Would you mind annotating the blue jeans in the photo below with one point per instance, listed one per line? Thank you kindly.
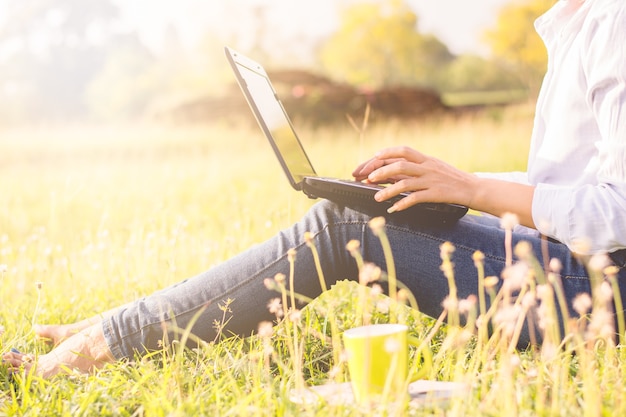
(139, 327)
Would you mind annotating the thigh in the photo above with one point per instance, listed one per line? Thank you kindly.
(416, 249)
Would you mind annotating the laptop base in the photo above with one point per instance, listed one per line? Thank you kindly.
(361, 196)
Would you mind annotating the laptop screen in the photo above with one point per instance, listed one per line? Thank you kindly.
(276, 124)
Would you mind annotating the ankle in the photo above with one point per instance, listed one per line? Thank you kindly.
(99, 348)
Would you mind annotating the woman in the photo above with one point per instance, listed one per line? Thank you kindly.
(575, 190)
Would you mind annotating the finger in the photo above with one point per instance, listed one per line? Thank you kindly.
(397, 170)
(410, 200)
(390, 180)
(375, 166)
(405, 185)
(362, 171)
(402, 152)
(360, 167)
(16, 358)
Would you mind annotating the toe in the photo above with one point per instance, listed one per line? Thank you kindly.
(15, 360)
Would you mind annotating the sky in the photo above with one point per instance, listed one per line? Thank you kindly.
(290, 29)
(458, 23)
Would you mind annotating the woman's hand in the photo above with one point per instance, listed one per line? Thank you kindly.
(429, 180)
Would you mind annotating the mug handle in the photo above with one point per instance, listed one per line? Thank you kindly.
(423, 355)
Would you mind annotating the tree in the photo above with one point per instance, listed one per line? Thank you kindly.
(62, 21)
(127, 82)
(54, 49)
(378, 45)
(475, 73)
(515, 41)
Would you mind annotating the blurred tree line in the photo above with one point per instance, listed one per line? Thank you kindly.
(71, 60)
(378, 44)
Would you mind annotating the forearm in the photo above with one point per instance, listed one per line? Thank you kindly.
(498, 197)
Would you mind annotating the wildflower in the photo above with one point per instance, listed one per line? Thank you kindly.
(462, 337)
(515, 276)
(291, 255)
(308, 237)
(532, 373)
(555, 265)
(601, 325)
(449, 304)
(225, 305)
(478, 257)
(369, 273)
(529, 300)
(582, 303)
(546, 318)
(467, 305)
(377, 224)
(39, 285)
(598, 262)
(353, 245)
(544, 292)
(376, 290)
(523, 250)
(491, 281)
(3, 268)
(295, 315)
(403, 295)
(275, 307)
(607, 331)
(548, 351)
(508, 330)
(279, 278)
(508, 314)
(269, 283)
(609, 271)
(383, 305)
(448, 269)
(509, 221)
(446, 249)
(515, 361)
(265, 329)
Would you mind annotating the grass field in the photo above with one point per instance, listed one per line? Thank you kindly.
(92, 218)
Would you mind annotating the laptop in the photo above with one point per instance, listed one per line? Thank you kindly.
(278, 129)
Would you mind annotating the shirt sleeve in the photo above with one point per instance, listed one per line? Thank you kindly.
(512, 176)
(592, 218)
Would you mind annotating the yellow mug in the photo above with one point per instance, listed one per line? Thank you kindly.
(378, 362)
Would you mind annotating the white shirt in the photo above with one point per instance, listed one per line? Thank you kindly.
(577, 157)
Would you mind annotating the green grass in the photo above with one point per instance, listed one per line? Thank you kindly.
(102, 216)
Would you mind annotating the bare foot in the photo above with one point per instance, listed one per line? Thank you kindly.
(57, 333)
(16, 361)
(84, 351)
